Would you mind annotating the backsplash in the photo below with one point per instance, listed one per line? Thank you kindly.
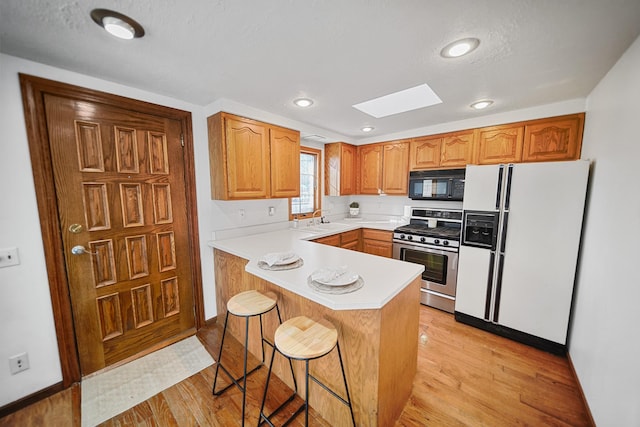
(244, 217)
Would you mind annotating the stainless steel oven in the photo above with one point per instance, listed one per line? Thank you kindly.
(432, 239)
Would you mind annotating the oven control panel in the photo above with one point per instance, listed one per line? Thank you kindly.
(433, 241)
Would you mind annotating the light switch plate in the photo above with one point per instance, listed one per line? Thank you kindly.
(9, 257)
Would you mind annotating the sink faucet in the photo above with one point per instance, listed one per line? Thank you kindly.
(313, 216)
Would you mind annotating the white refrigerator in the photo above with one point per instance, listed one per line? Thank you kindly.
(522, 286)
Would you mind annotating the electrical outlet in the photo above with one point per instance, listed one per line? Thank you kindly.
(8, 257)
(272, 211)
(18, 363)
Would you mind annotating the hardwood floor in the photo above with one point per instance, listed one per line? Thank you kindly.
(466, 377)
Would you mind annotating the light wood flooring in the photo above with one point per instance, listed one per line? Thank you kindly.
(466, 377)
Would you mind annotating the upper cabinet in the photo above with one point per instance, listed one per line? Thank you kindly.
(558, 138)
(499, 144)
(448, 150)
(554, 138)
(424, 152)
(340, 169)
(285, 162)
(457, 149)
(252, 160)
(395, 168)
(383, 168)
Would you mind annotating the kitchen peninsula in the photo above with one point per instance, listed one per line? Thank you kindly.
(377, 324)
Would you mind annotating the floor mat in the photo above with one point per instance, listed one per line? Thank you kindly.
(112, 392)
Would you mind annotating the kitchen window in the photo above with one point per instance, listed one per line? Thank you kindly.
(309, 200)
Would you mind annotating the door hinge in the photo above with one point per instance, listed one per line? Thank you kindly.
(182, 140)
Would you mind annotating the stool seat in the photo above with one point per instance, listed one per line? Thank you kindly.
(251, 303)
(303, 338)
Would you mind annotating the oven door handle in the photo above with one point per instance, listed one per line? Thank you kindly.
(441, 250)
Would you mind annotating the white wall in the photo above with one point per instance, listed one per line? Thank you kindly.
(604, 342)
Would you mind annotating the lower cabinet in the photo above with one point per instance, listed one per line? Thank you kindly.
(377, 242)
(367, 240)
(351, 240)
(348, 240)
(333, 240)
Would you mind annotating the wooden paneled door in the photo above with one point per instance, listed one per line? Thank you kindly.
(126, 238)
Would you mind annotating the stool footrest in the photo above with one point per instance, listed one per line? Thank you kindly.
(336, 395)
(235, 381)
(267, 418)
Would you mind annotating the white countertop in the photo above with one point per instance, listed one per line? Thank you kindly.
(383, 278)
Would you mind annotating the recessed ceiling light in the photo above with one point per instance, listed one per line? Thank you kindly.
(459, 48)
(479, 105)
(117, 24)
(399, 102)
(303, 102)
(367, 128)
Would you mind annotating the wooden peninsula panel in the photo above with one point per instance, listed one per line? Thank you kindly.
(379, 346)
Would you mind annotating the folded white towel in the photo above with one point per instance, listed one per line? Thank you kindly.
(274, 258)
(328, 274)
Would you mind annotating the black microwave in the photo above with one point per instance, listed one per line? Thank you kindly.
(437, 184)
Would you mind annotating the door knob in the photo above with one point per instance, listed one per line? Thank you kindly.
(80, 250)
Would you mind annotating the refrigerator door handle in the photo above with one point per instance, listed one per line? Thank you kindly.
(496, 308)
(503, 237)
(487, 301)
(507, 197)
(499, 192)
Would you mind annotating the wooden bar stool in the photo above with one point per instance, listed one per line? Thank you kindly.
(301, 338)
(247, 304)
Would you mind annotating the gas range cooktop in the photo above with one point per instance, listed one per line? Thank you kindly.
(439, 227)
(446, 232)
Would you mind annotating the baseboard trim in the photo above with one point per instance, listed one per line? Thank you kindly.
(30, 399)
(582, 395)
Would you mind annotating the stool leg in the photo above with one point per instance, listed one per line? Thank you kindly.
(295, 383)
(266, 387)
(246, 355)
(306, 393)
(224, 332)
(346, 387)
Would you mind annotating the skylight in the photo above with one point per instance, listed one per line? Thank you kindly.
(399, 102)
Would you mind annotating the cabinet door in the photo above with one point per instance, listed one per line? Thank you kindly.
(350, 240)
(424, 153)
(370, 168)
(559, 139)
(248, 166)
(333, 240)
(285, 162)
(457, 149)
(376, 247)
(395, 168)
(499, 144)
(348, 160)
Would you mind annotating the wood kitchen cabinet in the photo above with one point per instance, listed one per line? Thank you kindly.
(424, 152)
(252, 160)
(333, 240)
(351, 240)
(340, 169)
(558, 138)
(457, 149)
(383, 168)
(377, 242)
(499, 144)
(347, 240)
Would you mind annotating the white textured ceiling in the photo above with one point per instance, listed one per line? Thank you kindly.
(265, 53)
